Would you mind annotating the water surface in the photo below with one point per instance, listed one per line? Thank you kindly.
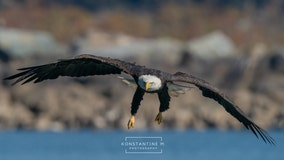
(90, 145)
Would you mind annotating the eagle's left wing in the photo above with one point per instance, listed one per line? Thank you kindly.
(212, 92)
(82, 65)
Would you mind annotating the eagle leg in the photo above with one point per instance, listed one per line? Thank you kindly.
(159, 118)
(137, 98)
(164, 99)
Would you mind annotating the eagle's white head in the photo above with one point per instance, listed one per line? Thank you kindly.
(149, 83)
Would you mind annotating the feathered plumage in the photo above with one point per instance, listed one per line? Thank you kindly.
(87, 65)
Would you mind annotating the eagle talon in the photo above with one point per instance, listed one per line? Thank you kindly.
(159, 118)
(131, 122)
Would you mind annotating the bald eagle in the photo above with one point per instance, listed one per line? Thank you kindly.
(147, 80)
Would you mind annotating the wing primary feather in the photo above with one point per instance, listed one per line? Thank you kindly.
(252, 129)
(32, 77)
(16, 75)
(265, 136)
(23, 77)
(261, 134)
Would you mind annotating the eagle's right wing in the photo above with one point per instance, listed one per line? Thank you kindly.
(82, 65)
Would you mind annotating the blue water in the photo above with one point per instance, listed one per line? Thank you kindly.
(104, 145)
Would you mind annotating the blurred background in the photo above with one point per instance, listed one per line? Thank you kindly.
(236, 45)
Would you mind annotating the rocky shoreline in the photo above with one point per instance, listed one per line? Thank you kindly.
(103, 102)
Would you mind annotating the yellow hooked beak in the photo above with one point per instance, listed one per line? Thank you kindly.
(147, 85)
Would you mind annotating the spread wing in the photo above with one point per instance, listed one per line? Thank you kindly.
(82, 65)
(212, 92)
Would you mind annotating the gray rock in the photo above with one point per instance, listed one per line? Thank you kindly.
(212, 45)
(19, 42)
(124, 46)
